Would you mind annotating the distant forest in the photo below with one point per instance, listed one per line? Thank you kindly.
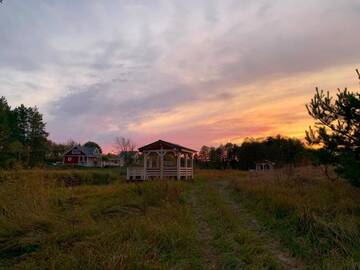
(280, 150)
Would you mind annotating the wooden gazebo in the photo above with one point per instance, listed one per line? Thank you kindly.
(164, 160)
(264, 165)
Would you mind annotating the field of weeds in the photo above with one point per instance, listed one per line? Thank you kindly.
(44, 225)
(93, 219)
(67, 177)
(318, 220)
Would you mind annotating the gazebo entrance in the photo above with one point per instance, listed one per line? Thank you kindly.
(164, 160)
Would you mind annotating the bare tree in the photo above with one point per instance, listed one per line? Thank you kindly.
(126, 148)
(123, 144)
(71, 143)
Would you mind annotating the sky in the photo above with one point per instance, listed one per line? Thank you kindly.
(193, 72)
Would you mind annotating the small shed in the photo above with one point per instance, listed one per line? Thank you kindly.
(264, 165)
(121, 159)
(164, 160)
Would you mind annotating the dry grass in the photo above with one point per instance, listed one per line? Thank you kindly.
(92, 219)
(68, 177)
(317, 219)
(44, 225)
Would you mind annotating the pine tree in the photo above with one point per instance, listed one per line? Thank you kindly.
(22, 135)
(20, 130)
(36, 137)
(4, 130)
(337, 129)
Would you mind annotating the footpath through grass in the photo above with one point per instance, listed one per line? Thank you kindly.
(235, 247)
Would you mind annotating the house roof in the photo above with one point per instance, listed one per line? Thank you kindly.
(86, 150)
(90, 151)
(265, 161)
(160, 144)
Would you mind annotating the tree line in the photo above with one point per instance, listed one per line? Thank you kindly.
(23, 138)
(280, 150)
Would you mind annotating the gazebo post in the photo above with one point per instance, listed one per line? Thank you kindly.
(161, 163)
(145, 164)
(178, 164)
(186, 166)
(192, 166)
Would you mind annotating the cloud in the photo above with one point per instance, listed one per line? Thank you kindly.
(182, 69)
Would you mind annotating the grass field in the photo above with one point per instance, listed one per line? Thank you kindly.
(93, 219)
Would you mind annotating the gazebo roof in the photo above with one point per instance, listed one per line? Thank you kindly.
(265, 161)
(160, 144)
(88, 151)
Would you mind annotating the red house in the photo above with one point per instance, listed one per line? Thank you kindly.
(83, 156)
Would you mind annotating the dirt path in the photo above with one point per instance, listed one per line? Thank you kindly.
(230, 237)
(250, 223)
(210, 257)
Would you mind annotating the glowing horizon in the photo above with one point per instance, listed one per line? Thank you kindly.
(196, 74)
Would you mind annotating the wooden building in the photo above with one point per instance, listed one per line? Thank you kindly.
(83, 156)
(264, 165)
(122, 159)
(164, 160)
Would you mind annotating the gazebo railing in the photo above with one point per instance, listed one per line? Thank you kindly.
(170, 172)
(152, 172)
(137, 173)
(186, 171)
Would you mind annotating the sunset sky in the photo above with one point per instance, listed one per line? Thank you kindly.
(192, 72)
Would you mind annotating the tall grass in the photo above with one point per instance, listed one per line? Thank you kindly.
(317, 219)
(68, 177)
(237, 246)
(91, 219)
(44, 225)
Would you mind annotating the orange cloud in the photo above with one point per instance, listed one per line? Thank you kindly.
(258, 110)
